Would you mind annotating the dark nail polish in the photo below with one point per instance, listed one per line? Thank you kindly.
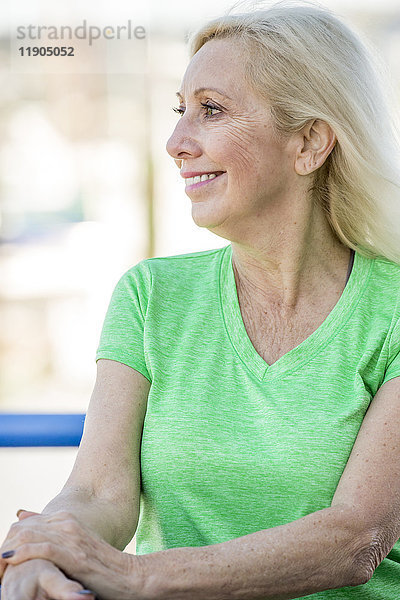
(85, 592)
(8, 554)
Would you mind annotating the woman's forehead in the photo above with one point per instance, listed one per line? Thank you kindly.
(217, 66)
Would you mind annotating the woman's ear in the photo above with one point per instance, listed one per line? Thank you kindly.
(316, 142)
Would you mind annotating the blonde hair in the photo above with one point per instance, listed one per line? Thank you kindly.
(309, 65)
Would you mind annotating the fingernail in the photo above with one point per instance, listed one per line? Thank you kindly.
(20, 511)
(8, 554)
(85, 592)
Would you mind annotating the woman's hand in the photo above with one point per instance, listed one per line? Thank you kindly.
(40, 580)
(77, 551)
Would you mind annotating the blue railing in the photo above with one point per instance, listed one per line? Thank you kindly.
(30, 430)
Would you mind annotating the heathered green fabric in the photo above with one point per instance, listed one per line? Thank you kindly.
(230, 444)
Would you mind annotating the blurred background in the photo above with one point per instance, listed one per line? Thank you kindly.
(87, 190)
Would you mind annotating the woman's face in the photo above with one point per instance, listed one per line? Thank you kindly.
(225, 129)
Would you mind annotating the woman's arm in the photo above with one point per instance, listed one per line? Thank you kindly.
(318, 552)
(103, 489)
(297, 559)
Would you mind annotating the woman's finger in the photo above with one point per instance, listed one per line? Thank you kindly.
(17, 539)
(59, 530)
(3, 565)
(60, 556)
(7, 543)
(41, 579)
(25, 514)
(37, 530)
(58, 587)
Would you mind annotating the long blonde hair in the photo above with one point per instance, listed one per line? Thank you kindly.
(309, 65)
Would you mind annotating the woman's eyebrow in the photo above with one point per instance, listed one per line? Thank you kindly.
(205, 89)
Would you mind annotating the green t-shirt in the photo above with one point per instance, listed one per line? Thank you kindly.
(232, 445)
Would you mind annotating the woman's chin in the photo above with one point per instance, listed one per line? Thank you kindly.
(203, 215)
(208, 219)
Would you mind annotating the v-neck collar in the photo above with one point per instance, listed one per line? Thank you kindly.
(302, 353)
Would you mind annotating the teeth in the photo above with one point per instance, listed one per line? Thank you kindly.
(198, 178)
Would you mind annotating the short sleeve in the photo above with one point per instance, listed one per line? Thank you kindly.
(123, 334)
(393, 362)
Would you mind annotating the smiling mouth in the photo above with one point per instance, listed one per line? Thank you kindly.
(202, 179)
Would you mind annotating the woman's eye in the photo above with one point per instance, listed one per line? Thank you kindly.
(208, 108)
(178, 110)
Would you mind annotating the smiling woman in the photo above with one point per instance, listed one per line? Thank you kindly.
(261, 178)
(245, 421)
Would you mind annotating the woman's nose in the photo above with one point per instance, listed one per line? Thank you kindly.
(182, 143)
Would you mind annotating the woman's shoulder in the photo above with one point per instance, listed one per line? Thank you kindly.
(386, 274)
(188, 265)
(387, 265)
(189, 271)
(383, 289)
(185, 260)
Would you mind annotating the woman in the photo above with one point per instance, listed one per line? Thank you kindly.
(246, 410)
